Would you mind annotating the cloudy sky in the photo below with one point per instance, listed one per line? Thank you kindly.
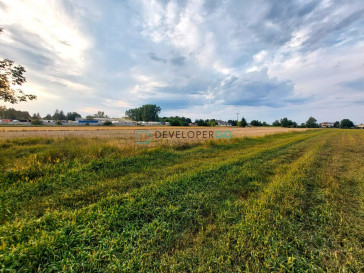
(201, 59)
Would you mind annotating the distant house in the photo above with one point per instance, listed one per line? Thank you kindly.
(50, 121)
(222, 123)
(327, 124)
(361, 126)
(85, 121)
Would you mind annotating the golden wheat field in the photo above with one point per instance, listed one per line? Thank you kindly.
(127, 136)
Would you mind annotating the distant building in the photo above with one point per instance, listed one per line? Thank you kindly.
(222, 123)
(327, 124)
(85, 121)
(361, 126)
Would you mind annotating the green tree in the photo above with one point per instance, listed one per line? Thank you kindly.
(255, 123)
(48, 117)
(285, 122)
(100, 114)
(243, 122)
(346, 123)
(232, 122)
(337, 124)
(276, 123)
(147, 112)
(211, 122)
(11, 113)
(201, 122)
(11, 78)
(37, 122)
(73, 116)
(312, 123)
(36, 116)
(59, 115)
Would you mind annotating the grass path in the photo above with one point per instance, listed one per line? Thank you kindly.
(282, 203)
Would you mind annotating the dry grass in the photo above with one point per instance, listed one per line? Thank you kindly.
(128, 134)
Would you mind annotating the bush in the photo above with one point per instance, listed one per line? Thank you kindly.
(107, 123)
(37, 122)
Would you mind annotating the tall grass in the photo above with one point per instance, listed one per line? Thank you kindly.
(288, 202)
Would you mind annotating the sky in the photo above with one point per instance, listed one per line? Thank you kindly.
(205, 59)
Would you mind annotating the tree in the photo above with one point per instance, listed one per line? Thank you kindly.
(232, 122)
(200, 122)
(37, 122)
(312, 123)
(285, 122)
(147, 112)
(100, 114)
(346, 123)
(255, 123)
(36, 116)
(276, 123)
(59, 115)
(73, 116)
(48, 117)
(11, 77)
(11, 113)
(337, 124)
(243, 122)
(176, 121)
(211, 122)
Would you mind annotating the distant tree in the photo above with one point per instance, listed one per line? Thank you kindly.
(11, 113)
(147, 112)
(89, 117)
(276, 123)
(346, 123)
(285, 122)
(100, 114)
(265, 124)
(59, 115)
(312, 123)
(255, 123)
(36, 116)
(176, 121)
(48, 117)
(211, 122)
(200, 122)
(232, 122)
(337, 124)
(107, 123)
(37, 122)
(11, 76)
(303, 125)
(243, 122)
(72, 116)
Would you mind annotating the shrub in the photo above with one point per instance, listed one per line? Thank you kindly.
(37, 122)
(107, 123)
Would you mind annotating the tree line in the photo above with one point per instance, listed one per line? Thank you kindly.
(150, 112)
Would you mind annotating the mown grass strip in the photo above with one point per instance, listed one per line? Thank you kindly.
(132, 230)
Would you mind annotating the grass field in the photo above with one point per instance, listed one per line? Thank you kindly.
(286, 202)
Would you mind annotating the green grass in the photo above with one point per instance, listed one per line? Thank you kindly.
(283, 203)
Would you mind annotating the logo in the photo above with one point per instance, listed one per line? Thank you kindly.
(142, 137)
(139, 134)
